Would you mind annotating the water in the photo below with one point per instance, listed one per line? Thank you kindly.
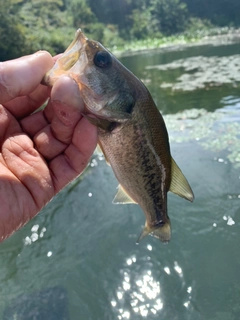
(78, 258)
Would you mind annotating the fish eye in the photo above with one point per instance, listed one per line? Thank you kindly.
(102, 59)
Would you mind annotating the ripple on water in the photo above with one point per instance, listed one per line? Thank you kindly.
(141, 293)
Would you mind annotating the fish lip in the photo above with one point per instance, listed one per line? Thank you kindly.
(79, 36)
(67, 60)
(77, 44)
(74, 50)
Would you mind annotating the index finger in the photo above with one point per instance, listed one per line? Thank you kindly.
(21, 76)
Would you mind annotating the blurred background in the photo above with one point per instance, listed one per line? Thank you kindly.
(78, 258)
(30, 25)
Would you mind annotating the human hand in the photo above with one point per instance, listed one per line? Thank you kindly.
(40, 153)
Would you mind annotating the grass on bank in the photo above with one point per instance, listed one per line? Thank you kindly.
(178, 39)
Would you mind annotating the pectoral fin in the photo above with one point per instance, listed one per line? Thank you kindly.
(115, 115)
(100, 123)
(106, 113)
(122, 197)
(179, 184)
(106, 125)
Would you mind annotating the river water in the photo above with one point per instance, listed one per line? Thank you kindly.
(78, 258)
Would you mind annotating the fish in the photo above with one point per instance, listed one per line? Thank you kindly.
(131, 131)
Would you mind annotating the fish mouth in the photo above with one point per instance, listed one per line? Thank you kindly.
(76, 45)
(71, 61)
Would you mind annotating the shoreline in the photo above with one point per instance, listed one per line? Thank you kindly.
(181, 41)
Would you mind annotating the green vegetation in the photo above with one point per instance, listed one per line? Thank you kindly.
(30, 25)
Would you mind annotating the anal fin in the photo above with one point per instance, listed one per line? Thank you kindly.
(122, 197)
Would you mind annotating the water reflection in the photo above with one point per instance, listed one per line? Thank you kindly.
(36, 234)
(167, 270)
(230, 221)
(178, 269)
(149, 247)
(210, 130)
(141, 293)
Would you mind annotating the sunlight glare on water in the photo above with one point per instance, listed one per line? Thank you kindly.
(36, 234)
(143, 292)
(140, 294)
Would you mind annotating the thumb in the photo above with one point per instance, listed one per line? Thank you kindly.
(21, 76)
(67, 106)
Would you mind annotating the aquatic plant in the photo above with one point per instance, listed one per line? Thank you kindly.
(215, 131)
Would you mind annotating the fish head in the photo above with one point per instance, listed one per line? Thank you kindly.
(106, 86)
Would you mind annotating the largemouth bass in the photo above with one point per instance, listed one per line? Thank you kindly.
(132, 133)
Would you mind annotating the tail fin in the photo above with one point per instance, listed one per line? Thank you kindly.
(162, 232)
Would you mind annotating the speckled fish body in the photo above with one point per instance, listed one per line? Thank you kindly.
(132, 132)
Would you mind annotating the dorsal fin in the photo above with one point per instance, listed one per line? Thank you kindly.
(179, 184)
(122, 197)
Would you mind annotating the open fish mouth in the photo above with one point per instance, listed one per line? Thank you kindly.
(72, 61)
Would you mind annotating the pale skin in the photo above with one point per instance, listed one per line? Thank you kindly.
(41, 152)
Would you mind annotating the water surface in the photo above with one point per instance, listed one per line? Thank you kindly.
(78, 258)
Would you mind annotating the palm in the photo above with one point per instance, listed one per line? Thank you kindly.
(40, 153)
